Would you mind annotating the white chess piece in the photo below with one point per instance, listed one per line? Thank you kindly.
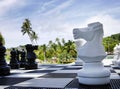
(78, 44)
(92, 53)
(115, 56)
(116, 60)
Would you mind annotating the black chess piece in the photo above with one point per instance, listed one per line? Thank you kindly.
(23, 58)
(31, 56)
(4, 68)
(14, 64)
(17, 55)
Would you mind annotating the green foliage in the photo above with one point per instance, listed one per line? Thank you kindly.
(27, 29)
(7, 56)
(2, 39)
(116, 37)
(57, 52)
(110, 42)
(61, 51)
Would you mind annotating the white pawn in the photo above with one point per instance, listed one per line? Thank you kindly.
(116, 60)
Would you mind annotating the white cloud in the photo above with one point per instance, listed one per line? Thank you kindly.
(110, 24)
(5, 5)
(57, 10)
(51, 28)
(51, 31)
(53, 23)
(14, 38)
(47, 5)
(55, 28)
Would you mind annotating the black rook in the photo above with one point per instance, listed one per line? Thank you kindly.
(31, 56)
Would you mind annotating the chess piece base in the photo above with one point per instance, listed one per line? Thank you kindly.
(22, 65)
(4, 70)
(31, 66)
(94, 74)
(15, 66)
(94, 81)
(116, 63)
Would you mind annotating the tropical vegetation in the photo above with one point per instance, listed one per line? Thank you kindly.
(57, 52)
(110, 42)
(2, 40)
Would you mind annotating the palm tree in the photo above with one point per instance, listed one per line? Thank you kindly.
(57, 40)
(63, 41)
(70, 49)
(26, 28)
(50, 43)
(44, 50)
(71, 46)
(34, 37)
(54, 47)
(59, 45)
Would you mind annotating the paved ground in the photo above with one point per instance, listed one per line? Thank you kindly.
(54, 77)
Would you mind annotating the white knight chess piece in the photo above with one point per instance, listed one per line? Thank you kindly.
(92, 53)
(78, 45)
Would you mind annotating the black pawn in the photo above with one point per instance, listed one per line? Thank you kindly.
(31, 56)
(4, 68)
(14, 64)
(17, 55)
(23, 58)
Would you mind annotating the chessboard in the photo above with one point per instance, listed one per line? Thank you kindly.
(54, 76)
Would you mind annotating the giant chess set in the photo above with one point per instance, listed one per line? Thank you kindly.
(88, 72)
(54, 77)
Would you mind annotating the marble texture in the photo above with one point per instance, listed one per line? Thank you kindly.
(92, 53)
(78, 44)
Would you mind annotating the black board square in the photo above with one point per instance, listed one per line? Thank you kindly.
(46, 65)
(77, 85)
(41, 71)
(59, 75)
(11, 81)
(18, 87)
(112, 71)
(114, 84)
(116, 67)
(67, 68)
(107, 65)
(57, 66)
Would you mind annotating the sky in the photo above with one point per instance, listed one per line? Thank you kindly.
(55, 18)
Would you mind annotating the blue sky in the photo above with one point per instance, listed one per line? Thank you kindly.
(55, 18)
